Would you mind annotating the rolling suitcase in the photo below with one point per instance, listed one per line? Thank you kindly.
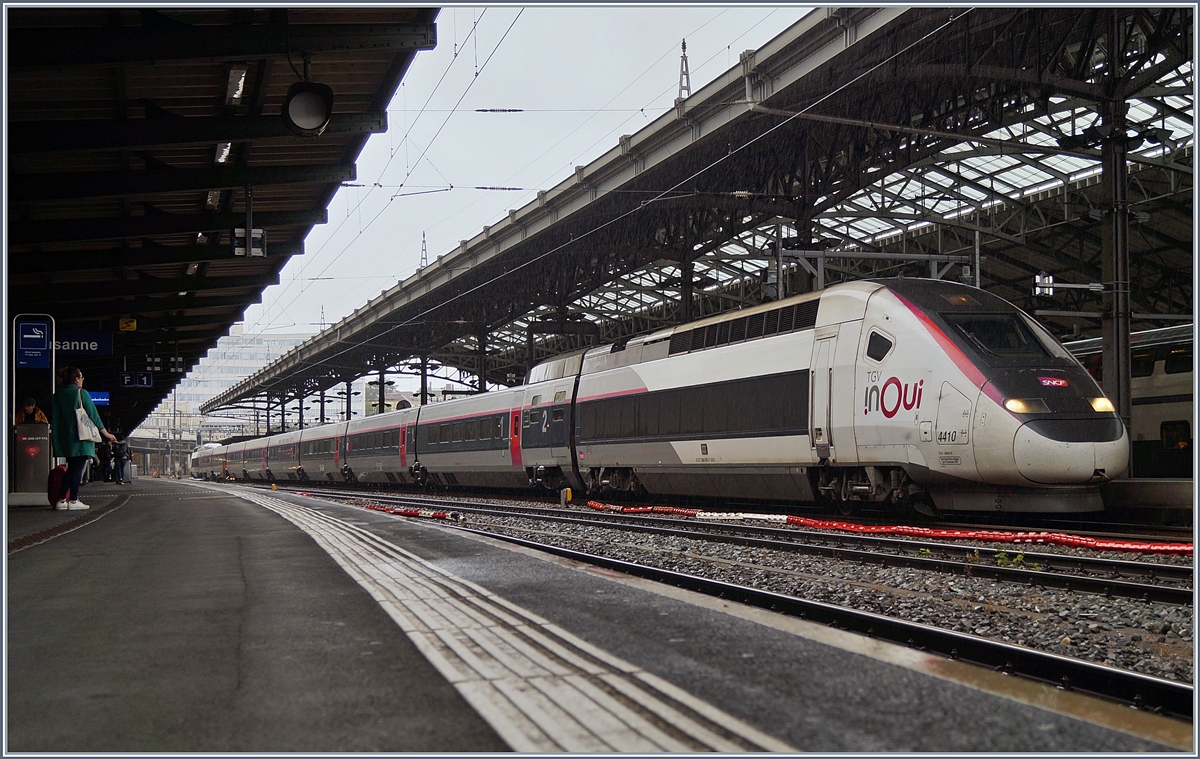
(54, 483)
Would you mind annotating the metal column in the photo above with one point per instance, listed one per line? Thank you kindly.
(424, 379)
(482, 338)
(381, 408)
(1115, 250)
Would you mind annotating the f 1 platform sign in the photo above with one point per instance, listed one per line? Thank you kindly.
(137, 379)
(34, 342)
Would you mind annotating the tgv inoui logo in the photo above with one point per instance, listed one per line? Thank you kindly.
(892, 395)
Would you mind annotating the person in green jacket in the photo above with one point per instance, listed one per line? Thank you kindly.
(65, 434)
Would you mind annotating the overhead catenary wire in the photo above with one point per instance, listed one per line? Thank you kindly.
(377, 185)
(421, 316)
(668, 51)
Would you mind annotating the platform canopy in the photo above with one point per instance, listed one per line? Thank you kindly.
(987, 144)
(139, 139)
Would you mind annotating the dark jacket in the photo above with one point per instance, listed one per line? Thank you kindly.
(63, 432)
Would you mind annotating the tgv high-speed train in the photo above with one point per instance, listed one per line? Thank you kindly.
(899, 391)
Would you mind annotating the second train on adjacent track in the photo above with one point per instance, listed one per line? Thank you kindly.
(902, 392)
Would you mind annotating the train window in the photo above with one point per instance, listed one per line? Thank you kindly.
(697, 339)
(710, 336)
(560, 396)
(525, 418)
(1179, 360)
(485, 429)
(502, 426)
(536, 400)
(469, 430)
(1002, 335)
(1142, 363)
(456, 432)
(878, 346)
(1177, 435)
(558, 415)
(444, 433)
(432, 437)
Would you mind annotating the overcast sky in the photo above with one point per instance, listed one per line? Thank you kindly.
(583, 77)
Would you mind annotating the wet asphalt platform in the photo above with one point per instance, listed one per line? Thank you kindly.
(178, 616)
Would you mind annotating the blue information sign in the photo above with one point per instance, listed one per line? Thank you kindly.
(87, 343)
(100, 398)
(33, 344)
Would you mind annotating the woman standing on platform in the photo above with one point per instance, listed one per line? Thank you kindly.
(64, 433)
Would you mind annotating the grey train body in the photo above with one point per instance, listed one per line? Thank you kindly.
(900, 391)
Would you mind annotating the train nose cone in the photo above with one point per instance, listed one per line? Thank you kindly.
(1046, 461)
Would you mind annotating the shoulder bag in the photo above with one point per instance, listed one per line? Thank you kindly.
(87, 428)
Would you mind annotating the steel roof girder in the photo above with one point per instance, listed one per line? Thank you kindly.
(30, 232)
(59, 47)
(64, 186)
(26, 137)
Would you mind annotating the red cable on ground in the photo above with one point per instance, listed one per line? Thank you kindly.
(427, 513)
(991, 536)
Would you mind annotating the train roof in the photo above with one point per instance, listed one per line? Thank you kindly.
(1182, 333)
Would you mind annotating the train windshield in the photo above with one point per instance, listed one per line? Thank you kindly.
(1003, 335)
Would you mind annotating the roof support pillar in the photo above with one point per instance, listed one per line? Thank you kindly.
(322, 402)
(1115, 236)
(381, 407)
(686, 274)
(425, 378)
(482, 340)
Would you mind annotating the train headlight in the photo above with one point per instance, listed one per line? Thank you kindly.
(1027, 406)
(1103, 405)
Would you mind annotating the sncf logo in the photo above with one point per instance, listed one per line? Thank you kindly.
(1052, 382)
(892, 396)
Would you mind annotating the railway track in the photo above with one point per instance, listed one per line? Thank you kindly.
(1154, 582)
(1163, 583)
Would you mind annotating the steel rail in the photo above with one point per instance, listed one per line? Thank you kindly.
(791, 541)
(1141, 691)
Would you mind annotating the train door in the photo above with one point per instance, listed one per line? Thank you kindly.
(403, 445)
(557, 423)
(514, 445)
(820, 427)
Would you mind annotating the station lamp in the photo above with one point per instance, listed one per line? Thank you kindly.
(308, 106)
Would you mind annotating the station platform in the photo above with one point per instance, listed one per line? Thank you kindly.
(178, 616)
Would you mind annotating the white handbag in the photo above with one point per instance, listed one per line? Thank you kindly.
(87, 428)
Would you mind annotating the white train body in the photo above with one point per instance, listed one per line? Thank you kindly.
(875, 391)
